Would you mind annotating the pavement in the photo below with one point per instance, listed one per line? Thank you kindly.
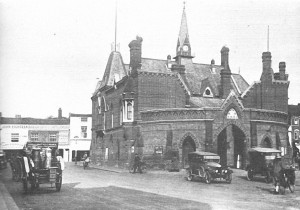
(6, 201)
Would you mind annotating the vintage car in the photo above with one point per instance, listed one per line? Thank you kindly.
(261, 163)
(3, 161)
(206, 166)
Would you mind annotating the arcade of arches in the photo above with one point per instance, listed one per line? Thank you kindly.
(231, 146)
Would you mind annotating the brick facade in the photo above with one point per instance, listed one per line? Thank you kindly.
(163, 107)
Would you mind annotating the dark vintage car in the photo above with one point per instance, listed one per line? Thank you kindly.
(261, 163)
(3, 161)
(206, 166)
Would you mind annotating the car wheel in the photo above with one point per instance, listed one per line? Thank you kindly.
(228, 178)
(250, 175)
(189, 175)
(207, 177)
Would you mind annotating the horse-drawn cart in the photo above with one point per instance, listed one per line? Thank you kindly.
(41, 164)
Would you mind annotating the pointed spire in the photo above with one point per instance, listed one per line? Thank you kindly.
(183, 32)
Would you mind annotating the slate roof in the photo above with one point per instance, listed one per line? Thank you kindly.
(196, 74)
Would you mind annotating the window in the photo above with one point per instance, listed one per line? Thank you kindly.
(232, 114)
(15, 137)
(84, 119)
(52, 137)
(129, 111)
(83, 131)
(208, 92)
(296, 120)
(34, 136)
(296, 134)
(112, 120)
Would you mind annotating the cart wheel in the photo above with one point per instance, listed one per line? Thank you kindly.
(207, 177)
(229, 178)
(58, 183)
(249, 175)
(291, 186)
(189, 175)
(25, 184)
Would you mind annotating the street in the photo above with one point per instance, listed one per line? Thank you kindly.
(99, 189)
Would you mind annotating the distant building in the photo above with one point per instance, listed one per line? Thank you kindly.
(16, 132)
(80, 134)
(162, 108)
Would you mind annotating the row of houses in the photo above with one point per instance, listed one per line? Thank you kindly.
(73, 134)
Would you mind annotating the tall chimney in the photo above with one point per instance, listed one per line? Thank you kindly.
(59, 113)
(225, 87)
(282, 70)
(136, 53)
(266, 59)
(224, 57)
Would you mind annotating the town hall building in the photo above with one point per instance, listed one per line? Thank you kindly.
(162, 109)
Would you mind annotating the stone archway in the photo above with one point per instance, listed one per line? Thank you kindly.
(232, 146)
(188, 145)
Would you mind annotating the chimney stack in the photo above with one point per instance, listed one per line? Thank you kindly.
(59, 113)
(225, 73)
(136, 53)
(282, 70)
(224, 57)
(266, 59)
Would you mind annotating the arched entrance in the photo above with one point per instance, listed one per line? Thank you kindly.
(188, 145)
(231, 146)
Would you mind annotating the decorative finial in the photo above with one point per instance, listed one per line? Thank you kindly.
(184, 4)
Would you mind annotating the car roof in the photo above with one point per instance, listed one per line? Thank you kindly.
(264, 150)
(203, 153)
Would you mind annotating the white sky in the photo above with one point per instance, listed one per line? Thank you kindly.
(52, 51)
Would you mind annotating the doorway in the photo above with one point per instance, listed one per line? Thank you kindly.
(188, 146)
(231, 146)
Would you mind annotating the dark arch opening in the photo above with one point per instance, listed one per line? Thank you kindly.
(188, 145)
(231, 146)
(266, 143)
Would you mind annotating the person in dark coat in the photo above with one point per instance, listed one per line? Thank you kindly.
(137, 163)
(277, 173)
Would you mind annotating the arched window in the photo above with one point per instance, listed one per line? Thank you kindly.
(266, 143)
(129, 110)
(207, 92)
(231, 114)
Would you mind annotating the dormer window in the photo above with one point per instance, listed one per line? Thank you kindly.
(207, 92)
